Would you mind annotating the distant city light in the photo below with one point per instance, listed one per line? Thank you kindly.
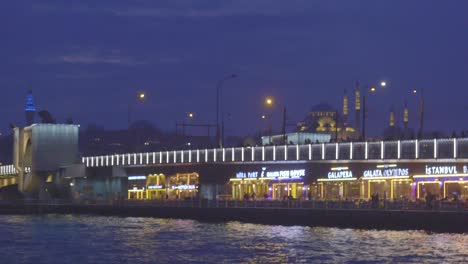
(141, 95)
(372, 89)
(415, 91)
(191, 115)
(269, 101)
(383, 84)
(263, 116)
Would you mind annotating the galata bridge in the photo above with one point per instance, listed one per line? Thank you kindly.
(46, 164)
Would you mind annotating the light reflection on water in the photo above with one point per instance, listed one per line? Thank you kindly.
(93, 239)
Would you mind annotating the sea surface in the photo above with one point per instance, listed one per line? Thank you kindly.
(97, 239)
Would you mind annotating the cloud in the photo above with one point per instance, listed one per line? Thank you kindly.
(183, 8)
(93, 58)
(210, 9)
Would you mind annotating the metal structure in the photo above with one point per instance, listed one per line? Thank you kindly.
(429, 149)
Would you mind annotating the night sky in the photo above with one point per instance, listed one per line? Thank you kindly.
(87, 59)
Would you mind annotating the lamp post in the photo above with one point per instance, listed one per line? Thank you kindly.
(372, 89)
(267, 126)
(141, 96)
(219, 86)
(269, 102)
(421, 112)
(336, 126)
(190, 117)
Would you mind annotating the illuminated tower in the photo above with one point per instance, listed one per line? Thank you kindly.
(357, 105)
(345, 110)
(392, 118)
(30, 109)
(405, 117)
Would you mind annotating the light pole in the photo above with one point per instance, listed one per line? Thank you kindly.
(364, 114)
(141, 96)
(267, 126)
(421, 112)
(336, 126)
(219, 86)
(269, 102)
(190, 117)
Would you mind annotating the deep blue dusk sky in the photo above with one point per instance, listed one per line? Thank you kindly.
(85, 59)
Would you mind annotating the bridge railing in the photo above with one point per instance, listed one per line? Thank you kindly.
(378, 150)
(10, 170)
(305, 204)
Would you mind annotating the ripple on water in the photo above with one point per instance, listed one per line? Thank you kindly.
(94, 239)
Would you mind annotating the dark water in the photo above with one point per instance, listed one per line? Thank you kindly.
(91, 239)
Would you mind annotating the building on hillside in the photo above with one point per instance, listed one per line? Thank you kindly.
(297, 138)
(325, 119)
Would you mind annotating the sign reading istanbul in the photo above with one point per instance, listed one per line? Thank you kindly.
(438, 170)
(390, 172)
(271, 174)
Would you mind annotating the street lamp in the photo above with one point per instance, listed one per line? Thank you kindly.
(421, 111)
(141, 96)
(191, 115)
(219, 86)
(364, 115)
(269, 101)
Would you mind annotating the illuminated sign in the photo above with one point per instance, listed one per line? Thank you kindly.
(152, 187)
(184, 187)
(465, 169)
(134, 178)
(436, 170)
(390, 172)
(242, 175)
(284, 174)
(340, 173)
(271, 174)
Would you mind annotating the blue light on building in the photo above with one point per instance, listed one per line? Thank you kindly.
(30, 103)
(30, 109)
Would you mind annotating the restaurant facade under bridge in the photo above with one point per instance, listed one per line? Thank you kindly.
(298, 180)
(393, 181)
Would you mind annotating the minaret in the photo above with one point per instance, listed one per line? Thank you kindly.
(392, 118)
(357, 105)
(405, 117)
(30, 109)
(345, 110)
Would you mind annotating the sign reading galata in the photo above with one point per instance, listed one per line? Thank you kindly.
(392, 172)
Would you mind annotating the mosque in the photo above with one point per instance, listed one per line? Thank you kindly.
(324, 123)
